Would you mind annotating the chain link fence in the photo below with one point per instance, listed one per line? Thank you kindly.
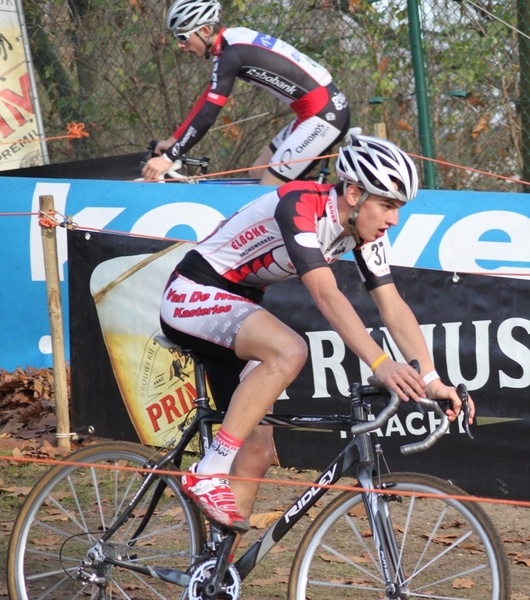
(112, 65)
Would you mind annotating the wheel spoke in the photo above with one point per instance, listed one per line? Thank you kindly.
(364, 545)
(438, 557)
(353, 563)
(50, 574)
(71, 507)
(444, 549)
(454, 576)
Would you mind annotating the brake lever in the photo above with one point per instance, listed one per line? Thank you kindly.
(416, 366)
(462, 392)
(151, 147)
(150, 153)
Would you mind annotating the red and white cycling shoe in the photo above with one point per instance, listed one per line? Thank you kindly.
(213, 496)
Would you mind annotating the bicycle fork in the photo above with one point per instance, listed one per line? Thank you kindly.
(388, 555)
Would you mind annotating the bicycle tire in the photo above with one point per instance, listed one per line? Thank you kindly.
(70, 506)
(449, 548)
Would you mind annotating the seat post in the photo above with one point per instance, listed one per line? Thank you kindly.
(200, 379)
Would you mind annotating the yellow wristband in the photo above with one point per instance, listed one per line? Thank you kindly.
(377, 362)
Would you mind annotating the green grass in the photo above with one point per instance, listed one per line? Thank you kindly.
(16, 479)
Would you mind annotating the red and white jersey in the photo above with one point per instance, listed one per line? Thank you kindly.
(265, 61)
(285, 233)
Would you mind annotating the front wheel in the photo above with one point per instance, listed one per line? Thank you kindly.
(72, 505)
(446, 548)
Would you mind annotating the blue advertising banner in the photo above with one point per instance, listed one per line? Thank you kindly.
(472, 232)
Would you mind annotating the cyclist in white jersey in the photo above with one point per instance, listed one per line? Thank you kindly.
(212, 304)
(322, 112)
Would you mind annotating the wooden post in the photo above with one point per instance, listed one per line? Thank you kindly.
(380, 130)
(53, 289)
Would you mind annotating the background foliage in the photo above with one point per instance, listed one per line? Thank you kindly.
(112, 65)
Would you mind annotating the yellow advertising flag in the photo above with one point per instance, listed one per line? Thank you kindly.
(21, 130)
(156, 380)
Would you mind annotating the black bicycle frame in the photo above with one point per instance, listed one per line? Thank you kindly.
(349, 457)
(358, 453)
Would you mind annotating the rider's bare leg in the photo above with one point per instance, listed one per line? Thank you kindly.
(266, 177)
(252, 462)
(262, 161)
(269, 178)
(281, 352)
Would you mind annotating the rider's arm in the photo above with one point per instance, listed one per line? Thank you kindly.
(405, 331)
(201, 117)
(191, 131)
(295, 215)
(196, 124)
(344, 319)
(209, 105)
(403, 327)
(164, 145)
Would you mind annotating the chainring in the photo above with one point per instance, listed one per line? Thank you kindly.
(204, 570)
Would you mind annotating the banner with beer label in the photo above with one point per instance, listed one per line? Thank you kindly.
(477, 330)
(155, 379)
(20, 129)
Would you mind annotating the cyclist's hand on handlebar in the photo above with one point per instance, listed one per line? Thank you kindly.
(436, 390)
(155, 167)
(402, 379)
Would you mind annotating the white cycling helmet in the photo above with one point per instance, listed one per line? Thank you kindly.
(377, 166)
(185, 15)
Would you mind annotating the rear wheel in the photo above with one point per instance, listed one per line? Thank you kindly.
(72, 505)
(446, 548)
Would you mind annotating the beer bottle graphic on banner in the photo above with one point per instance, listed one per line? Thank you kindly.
(155, 379)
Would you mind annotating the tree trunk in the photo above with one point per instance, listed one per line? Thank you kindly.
(523, 18)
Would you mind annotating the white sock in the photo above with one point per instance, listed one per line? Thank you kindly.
(220, 455)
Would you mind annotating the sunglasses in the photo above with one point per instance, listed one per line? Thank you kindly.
(184, 37)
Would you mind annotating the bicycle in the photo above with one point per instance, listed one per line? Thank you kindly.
(175, 175)
(120, 534)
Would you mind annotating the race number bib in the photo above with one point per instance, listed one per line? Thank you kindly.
(374, 256)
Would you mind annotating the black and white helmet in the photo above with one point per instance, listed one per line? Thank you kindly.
(377, 166)
(185, 15)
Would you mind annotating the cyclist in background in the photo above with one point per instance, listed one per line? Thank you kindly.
(212, 305)
(322, 112)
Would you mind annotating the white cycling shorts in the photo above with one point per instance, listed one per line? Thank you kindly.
(310, 139)
(204, 311)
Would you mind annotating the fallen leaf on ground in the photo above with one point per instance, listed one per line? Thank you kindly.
(16, 492)
(522, 559)
(270, 580)
(278, 549)
(358, 511)
(338, 559)
(462, 584)
(455, 524)
(262, 520)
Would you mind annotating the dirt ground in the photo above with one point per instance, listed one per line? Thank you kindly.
(27, 428)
